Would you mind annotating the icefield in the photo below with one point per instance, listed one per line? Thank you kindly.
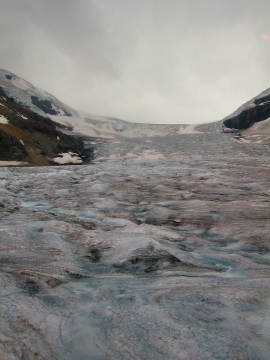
(148, 259)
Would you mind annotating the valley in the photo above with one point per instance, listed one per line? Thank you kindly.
(153, 244)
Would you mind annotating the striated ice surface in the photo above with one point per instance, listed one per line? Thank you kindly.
(149, 259)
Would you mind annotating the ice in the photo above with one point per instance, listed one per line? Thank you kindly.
(12, 163)
(137, 259)
(31, 204)
(103, 188)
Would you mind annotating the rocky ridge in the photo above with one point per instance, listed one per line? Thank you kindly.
(253, 111)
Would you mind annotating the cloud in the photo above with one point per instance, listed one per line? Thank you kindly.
(141, 60)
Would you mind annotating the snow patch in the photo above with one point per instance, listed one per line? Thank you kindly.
(12, 163)
(67, 158)
(3, 120)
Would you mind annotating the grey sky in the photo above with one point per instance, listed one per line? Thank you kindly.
(159, 61)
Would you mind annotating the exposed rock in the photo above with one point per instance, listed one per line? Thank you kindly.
(255, 110)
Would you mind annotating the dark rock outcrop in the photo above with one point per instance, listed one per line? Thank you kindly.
(255, 110)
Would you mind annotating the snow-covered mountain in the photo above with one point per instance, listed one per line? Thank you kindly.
(27, 138)
(87, 124)
(45, 104)
(115, 139)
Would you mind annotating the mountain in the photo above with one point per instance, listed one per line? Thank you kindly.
(45, 104)
(30, 138)
(253, 111)
(51, 132)
(251, 120)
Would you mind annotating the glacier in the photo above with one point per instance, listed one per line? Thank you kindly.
(136, 259)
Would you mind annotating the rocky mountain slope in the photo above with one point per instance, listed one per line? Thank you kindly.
(28, 138)
(253, 111)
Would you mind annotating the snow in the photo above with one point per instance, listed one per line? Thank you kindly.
(58, 110)
(66, 158)
(44, 94)
(258, 133)
(12, 163)
(2, 105)
(21, 84)
(22, 91)
(3, 120)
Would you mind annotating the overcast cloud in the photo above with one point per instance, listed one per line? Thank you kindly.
(158, 61)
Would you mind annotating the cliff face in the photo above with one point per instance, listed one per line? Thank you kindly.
(255, 110)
